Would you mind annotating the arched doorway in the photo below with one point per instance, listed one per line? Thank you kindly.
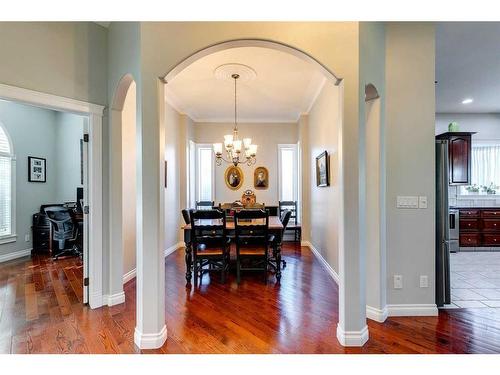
(123, 161)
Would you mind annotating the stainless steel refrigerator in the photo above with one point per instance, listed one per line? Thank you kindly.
(443, 241)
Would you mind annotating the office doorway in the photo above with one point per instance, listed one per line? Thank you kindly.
(57, 168)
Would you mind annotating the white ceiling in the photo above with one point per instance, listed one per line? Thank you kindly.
(284, 88)
(468, 66)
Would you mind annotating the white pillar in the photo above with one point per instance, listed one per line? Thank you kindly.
(351, 329)
(150, 330)
(376, 308)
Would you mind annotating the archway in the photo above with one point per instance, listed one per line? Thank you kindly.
(345, 336)
(122, 158)
(375, 207)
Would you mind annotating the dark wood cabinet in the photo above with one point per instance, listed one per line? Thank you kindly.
(480, 227)
(459, 157)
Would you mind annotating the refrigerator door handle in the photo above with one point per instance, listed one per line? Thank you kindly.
(452, 221)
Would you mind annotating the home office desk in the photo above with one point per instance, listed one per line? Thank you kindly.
(275, 228)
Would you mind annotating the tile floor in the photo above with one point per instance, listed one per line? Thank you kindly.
(475, 279)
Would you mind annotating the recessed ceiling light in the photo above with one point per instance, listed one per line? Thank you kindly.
(467, 101)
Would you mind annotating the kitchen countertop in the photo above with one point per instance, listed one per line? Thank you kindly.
(475, 208)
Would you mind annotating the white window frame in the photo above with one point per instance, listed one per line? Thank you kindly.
(296, 180)
(197, 177)
(12, 236)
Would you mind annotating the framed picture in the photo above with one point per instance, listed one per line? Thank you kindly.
(233, 177)
(322, 170)
(261, 178)
(37, 169)
(165, 174)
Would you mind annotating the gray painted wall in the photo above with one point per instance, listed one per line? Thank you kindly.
(410, 127)
(51, 135)
(487, 125)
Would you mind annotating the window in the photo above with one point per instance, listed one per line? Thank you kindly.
(485, 165)
(204, 173)
(288, 172)
(7, 190)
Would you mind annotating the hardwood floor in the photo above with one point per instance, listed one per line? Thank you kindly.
(41, 312)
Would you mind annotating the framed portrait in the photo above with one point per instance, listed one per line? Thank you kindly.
(233, 177)
(37, 169)
(261, 178)
(322, 170)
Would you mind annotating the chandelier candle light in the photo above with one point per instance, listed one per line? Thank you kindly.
(237, 151)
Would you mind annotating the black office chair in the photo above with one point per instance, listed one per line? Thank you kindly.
(294, 225)
(252, 242)
(204, 205)
(285, 219)
(210, 243)
(65, 231)
(185, 216)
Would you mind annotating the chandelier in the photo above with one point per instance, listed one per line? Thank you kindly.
(237, 151)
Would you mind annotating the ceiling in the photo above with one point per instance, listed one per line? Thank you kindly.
(468, 66)
(284, 87)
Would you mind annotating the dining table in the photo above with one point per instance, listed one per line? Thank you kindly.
(275, 228)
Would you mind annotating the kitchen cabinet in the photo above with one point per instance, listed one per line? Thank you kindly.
(479, 227)
(459, 157)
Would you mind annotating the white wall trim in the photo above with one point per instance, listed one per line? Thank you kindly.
(129, 275)
(173, 248)
(352, 338)
(114, 299)
(48, 100)
(94, 190)
(15, 255)
(413, 310)
(377, 315)
(150, 340)
(335, 276)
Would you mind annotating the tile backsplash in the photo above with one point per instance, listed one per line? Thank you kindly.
(471, 200)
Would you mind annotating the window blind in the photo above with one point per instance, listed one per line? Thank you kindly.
(485, 166)
(5, 185)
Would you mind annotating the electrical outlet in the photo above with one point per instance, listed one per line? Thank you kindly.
(27, 238)
(424, 281)
(398, 281)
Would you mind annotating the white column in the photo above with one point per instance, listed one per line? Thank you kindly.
(351, 329)
(376, 308)
(150, 330)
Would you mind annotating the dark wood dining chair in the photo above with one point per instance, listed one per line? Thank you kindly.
(285, 219)
(253, 241)
(210, 243)
(185, 216)
(294, 225)
(204, 205)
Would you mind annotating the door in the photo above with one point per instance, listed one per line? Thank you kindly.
(443, 287)
(460, 160)
(85, 148)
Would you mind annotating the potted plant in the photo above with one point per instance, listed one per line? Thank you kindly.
(491, 189)
(472, 189)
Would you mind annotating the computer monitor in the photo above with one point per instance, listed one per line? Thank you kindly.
(79, 199)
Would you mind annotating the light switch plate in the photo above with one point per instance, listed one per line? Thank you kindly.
(422, 201)
(27, 238)
(407, 202)
(424, 281)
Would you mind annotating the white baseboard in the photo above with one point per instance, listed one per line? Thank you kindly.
(150, 340)
(171, 249)
(412, 310)
(375, 314)
(325, 264)
(129, 275)
(352, 338)
(114, 299)
(15, 255)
